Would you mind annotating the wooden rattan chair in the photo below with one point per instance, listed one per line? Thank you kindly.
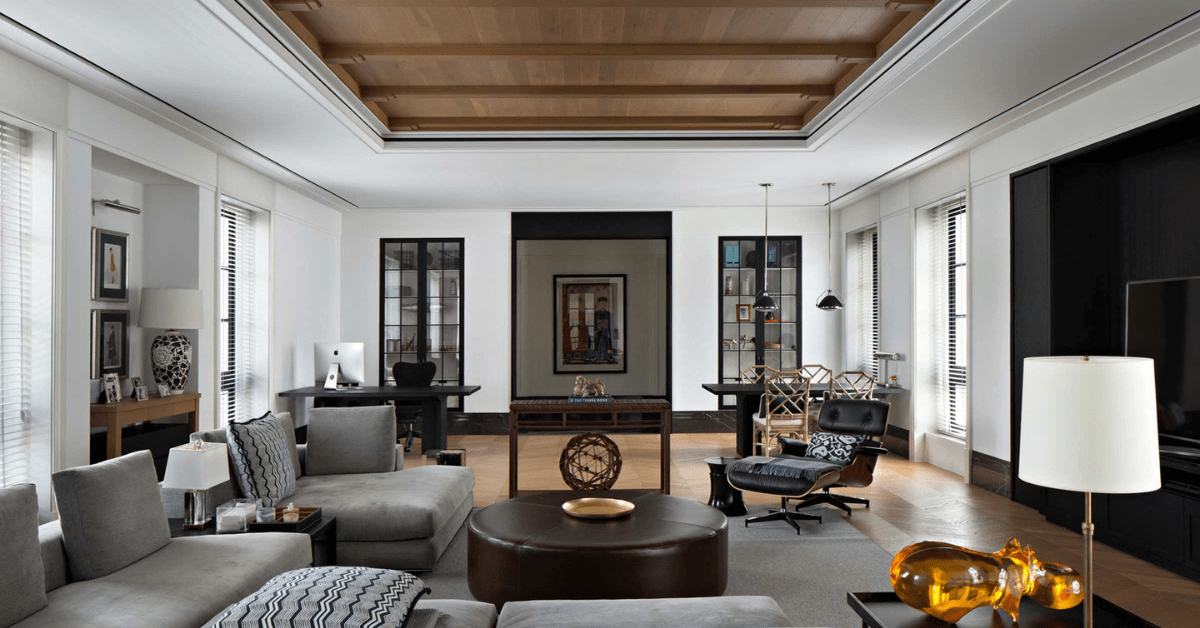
(757, 374)
(852, 385)
(784, 410)
(816, 374)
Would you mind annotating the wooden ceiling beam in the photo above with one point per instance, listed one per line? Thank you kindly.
(596, 123)
(345, 54)
(891, 5)
(384, 93)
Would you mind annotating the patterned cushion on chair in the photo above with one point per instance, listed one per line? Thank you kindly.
(350, 597)
(261, 460)
(837, 448)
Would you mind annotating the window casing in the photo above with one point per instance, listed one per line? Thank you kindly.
(949, 280)
(243, 303)
(17, 427)
(867, 293)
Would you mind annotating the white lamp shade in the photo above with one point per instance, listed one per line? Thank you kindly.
(197, 469)
(170, 308)
(1090, 424)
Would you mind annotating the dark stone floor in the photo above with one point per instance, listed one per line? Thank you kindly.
(496, 424)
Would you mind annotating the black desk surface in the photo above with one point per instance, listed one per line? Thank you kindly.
(735, 389)
(885, 610)
(381, 392)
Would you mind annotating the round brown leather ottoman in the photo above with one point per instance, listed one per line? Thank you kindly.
(529, 549)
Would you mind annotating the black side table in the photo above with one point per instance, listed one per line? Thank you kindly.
(724, 497)
(323, 534)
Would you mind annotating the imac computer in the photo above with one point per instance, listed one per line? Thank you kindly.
(338, 364)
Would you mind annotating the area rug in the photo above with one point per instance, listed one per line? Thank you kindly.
(807, 574)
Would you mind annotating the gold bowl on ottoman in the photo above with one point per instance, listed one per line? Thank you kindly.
(597, 508)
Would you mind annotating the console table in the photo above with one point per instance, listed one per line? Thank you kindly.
(748, 397)
(559, 415)
(432, 398)
(885, 610)
(114, 416)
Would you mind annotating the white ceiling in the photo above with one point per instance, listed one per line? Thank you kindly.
(208, 60)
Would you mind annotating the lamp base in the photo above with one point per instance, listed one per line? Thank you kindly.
(171, 360)
(195, 510)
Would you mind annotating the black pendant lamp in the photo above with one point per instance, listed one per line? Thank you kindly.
(763, 301)
(830, 299)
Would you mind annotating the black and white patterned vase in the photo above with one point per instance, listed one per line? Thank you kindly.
(171, 360)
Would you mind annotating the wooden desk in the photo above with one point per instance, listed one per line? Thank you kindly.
(432, 398)
(114, 416)
(748, 397)
(559, 415)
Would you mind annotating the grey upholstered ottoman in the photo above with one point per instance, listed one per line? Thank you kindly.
(697, 612)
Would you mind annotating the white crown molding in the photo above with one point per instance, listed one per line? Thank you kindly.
(49, 56)
(1147, 52)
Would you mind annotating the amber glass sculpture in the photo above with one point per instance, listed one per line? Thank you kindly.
(947, 581)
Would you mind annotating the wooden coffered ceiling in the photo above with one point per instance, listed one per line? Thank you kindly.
(603, 65)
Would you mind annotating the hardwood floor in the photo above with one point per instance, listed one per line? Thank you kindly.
(909, 502)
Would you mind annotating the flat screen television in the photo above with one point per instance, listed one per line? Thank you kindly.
(1162, 321)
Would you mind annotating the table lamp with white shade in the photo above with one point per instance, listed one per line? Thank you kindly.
(171, 309)
(196, 467)
(1089, 424)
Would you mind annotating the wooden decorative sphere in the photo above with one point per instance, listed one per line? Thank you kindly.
(590, 462)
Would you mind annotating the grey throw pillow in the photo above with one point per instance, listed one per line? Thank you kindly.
(262, 463)
(111, 514)
(22, 577)
(351, 440)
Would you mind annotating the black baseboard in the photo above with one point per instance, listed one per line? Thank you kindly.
(991, 473)
(896, 441)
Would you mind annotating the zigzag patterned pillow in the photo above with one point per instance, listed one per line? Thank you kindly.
(838, 448)
(261, 460)
(357, 597)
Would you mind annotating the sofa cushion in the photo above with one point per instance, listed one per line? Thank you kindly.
(728, 611)
(261, 460)
(185, 583)
(111, 514)
(22, 578)
(352, 597)
(410, 504)
(461, 613)
(351, 440)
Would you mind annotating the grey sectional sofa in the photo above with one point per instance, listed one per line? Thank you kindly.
(402, 519)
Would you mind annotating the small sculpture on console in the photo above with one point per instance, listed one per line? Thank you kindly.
(585, 388)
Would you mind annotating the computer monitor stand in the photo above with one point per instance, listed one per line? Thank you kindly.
(331, 380)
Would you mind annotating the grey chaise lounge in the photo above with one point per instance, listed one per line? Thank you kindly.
(402, 519)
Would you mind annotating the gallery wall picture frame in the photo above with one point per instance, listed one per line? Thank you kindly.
(110, 343)
(744, 314)
(110, 265)
(590, 317)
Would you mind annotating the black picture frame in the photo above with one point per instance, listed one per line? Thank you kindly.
(110, 343)
(581, 342)
(110, 265)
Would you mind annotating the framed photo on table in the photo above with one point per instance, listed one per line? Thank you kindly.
(110, 265)
(589, 324)
(110, 343)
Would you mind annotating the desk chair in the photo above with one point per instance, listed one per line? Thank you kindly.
(408, 413)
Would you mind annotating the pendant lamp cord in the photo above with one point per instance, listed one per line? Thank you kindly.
(766, 208)
(829, 230)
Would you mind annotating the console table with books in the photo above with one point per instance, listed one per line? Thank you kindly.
(562, 415)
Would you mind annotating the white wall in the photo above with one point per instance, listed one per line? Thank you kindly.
(983, 171)
(82, 122)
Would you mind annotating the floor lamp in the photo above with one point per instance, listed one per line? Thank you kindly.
(1089, 424)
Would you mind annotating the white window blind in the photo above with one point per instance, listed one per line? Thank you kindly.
(948, 270)
(17, 429)
(242, 306)
(868, 301)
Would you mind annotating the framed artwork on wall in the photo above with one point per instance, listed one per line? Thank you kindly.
(110, 342)
(743, 313)
(110, 265)
(589, 324)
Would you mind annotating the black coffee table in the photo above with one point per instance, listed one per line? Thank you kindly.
(323, 534)
(885, 610)
(723, 496)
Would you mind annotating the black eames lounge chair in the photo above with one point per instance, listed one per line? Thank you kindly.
(843, 452)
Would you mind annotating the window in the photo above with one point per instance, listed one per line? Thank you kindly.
(949, 270)
(18, 431)
(243, 302)
(867, 294)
